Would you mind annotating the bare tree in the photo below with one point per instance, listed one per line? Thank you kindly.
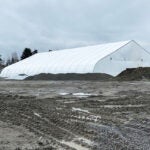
(1, 60)
(8, 62)
(14, 58)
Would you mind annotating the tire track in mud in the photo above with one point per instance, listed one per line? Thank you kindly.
(48, 125)
(54, 120)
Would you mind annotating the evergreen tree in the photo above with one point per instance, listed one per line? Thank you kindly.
(34, 52)
(26, 53)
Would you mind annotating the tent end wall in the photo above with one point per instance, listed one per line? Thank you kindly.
(130, 56)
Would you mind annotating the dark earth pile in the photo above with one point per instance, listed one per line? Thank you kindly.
(71, 76)
(127, 75)
(134, 74)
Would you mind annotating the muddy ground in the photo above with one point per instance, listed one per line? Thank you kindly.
(81, 115)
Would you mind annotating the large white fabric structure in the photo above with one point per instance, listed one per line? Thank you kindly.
(110, 58)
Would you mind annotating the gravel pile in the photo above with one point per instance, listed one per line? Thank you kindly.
(134, 74)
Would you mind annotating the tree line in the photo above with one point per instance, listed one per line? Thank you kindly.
(27, 52)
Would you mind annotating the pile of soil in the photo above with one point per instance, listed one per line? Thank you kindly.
(134, 74)
(71, 76)
(130, 74)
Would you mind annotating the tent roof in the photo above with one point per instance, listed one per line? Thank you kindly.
(76, 60)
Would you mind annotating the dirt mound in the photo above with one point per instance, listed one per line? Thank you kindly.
(135, 74)
(71, 76)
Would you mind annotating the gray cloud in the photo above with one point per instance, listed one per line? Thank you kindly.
(57, 24)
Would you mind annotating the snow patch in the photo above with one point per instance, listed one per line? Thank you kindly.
(120, 106)
(69, 102)
(74, 145)
(81, 110)
(63, 94)
(84, 140)
(93, 118)
(36, 114)
(79, 95)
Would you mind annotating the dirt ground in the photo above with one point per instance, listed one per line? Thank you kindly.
(81, 115)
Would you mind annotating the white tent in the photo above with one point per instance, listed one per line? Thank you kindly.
(110, 58)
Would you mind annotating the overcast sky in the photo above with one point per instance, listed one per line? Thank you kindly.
(58, 24)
